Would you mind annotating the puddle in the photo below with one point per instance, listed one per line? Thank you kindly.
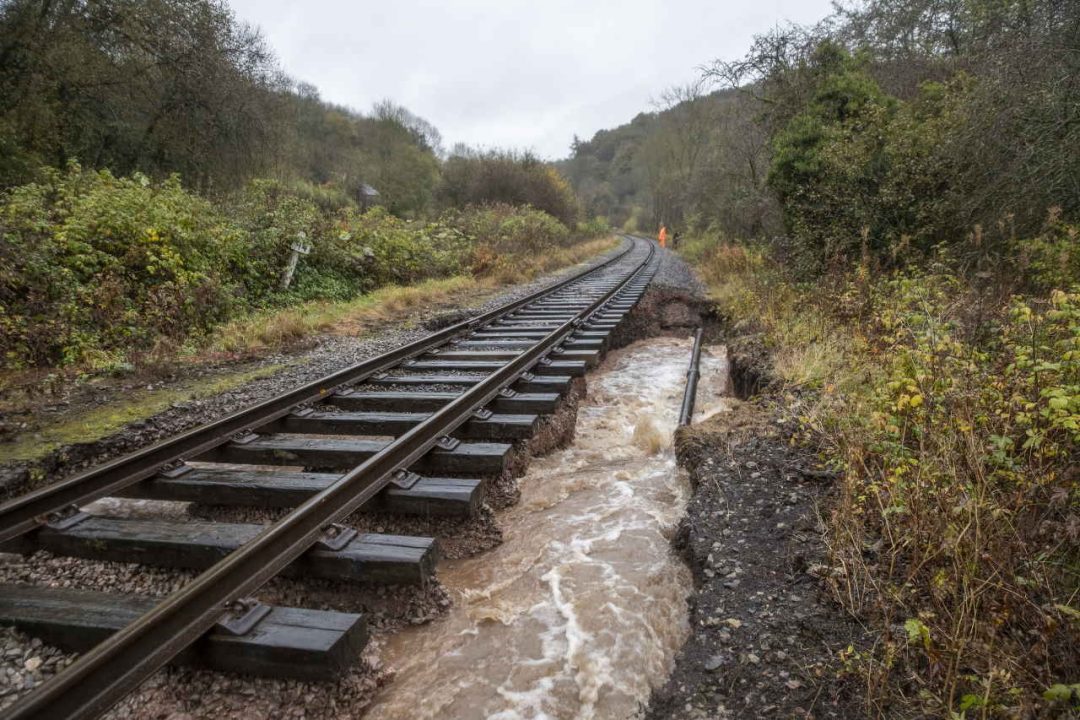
(580, 612)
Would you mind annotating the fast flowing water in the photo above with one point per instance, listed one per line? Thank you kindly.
(579, 613)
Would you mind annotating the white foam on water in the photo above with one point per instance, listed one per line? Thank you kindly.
(580, 612)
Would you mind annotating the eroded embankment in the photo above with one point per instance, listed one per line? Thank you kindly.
(611, 690)
(764, 635)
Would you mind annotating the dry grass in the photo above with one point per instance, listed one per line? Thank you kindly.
(266, 331)
(274, 329)
(511, 269)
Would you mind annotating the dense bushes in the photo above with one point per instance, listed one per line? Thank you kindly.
(891, 136)
(98, 270)
(384, 249)
(92, 263)
(958, 515)
(952, 409)
(508, 178)
(508, 235)
(923, 313)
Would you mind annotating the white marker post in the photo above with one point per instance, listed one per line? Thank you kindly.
(299, 247)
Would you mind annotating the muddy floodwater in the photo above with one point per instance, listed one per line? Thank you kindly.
(580, 612)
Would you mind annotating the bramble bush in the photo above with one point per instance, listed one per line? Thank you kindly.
(272, 217)
(506, 235)
(960, 509)
(384, 249)
(92, 264)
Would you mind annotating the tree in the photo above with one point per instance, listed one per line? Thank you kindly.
(473, 177)
(162, 86)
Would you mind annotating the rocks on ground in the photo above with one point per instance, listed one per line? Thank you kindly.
(763, 635)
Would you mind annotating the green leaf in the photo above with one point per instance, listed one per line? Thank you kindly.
(917, 632)
(1061, 693)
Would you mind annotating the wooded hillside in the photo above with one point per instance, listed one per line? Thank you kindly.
(158, 168)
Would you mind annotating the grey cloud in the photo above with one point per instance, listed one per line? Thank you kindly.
(506, 72)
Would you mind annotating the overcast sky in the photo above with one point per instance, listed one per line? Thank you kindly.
(509, 73)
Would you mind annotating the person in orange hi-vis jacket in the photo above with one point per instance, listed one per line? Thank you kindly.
(662, 237)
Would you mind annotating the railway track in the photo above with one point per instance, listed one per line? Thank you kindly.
(419, 430)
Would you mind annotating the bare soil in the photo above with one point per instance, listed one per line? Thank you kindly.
(765, 635)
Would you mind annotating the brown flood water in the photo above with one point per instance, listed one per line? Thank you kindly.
(579, 613)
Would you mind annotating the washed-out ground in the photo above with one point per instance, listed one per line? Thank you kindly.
(182, 692)
(765, 635)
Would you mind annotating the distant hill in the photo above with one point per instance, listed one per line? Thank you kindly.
(701, 155)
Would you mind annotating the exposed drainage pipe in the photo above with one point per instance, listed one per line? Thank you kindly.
(692, 375)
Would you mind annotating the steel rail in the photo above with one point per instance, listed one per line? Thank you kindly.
(26, 512)
(115, 667)
(686, 413)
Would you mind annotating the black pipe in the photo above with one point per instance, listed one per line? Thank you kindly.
(692, 375)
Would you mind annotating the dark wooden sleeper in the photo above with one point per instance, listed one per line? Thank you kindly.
(475, 458)
(495, 427)
(521, 403)
(294, 643)
(197, 545)
(212, 485)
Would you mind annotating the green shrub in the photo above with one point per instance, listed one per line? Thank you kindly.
(378, 248)
(1050, 260)
(827, 166)
(92, 262)
(954, 414)
(510, 229)
(961, 456)
(504, 235)
(273, 217)
(329, 198)
(596, 227)
(98, 270)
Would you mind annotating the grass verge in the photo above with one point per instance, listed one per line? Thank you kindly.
(952, 412)
(96, 423)
(253, 336)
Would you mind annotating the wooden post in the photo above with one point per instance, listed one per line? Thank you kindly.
(298, 248)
